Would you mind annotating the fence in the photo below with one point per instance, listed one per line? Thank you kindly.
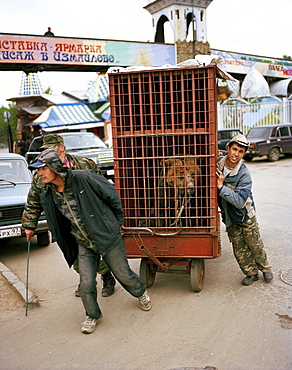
(246, 116)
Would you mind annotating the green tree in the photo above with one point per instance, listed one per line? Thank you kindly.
(49, 91)
(4, 125)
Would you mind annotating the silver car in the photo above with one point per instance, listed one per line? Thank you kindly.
(15, 182)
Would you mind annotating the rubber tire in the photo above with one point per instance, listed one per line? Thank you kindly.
(248, 158)
(274, 155)
(43, 239)
(197, 274)
(146, 274)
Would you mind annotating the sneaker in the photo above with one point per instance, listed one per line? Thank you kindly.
(89, 325)
(145, 302)
(248, 280)
(268, 276)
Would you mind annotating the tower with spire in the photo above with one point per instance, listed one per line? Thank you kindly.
(187, 19)
(30, 84)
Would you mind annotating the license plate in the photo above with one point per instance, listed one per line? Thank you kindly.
(110, 172)
(16, 231)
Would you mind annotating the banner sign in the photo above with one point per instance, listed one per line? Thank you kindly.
(56, 50)
(268, 67)
(28, 49)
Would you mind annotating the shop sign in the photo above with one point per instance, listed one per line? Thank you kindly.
(56, 50)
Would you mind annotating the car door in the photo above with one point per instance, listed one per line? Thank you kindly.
(284, 138)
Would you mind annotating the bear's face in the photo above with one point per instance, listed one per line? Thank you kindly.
(181, 173)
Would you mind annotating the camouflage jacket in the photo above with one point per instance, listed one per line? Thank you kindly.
(33, 207)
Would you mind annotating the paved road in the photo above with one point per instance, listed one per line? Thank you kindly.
(226, 325)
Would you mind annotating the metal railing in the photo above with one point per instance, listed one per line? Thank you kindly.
(247, 116)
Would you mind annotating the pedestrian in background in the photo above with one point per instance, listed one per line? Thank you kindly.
(85, 214)
(234, 184)
(49, 32)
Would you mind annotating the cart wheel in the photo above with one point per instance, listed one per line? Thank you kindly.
(197, 274)
(146, 273)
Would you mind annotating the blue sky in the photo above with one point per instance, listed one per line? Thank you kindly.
(258, 27)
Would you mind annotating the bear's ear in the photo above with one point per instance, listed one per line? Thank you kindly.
(168, 162)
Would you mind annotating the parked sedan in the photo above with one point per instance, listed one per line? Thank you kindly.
(15, 181)
(225, 135)
(270, 140)
(85, 144)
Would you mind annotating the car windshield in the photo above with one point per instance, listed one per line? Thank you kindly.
(227, 135)
(259, 132)
(14, 170)
(83, 142)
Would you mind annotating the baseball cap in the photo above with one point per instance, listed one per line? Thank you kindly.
(37, 164)
(240, 140)
(49, 157)
(51, 140)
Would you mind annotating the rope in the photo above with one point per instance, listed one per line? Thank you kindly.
(27, 264)
(288, 281)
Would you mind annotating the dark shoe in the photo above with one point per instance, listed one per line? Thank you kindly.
(268, 276)
(108, 284)
(77, 292)
(248, 280)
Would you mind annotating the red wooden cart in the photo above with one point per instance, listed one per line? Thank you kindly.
(165, 149)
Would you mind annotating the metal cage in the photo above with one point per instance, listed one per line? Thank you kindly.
(165, 148)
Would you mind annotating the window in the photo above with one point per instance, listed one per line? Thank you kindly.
(283, 131)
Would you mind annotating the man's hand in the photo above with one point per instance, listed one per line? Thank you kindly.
(29, 234)
(220, 179)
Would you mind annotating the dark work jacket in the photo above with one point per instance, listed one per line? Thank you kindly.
(100, 209)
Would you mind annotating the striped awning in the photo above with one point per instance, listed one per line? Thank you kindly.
(64, 115)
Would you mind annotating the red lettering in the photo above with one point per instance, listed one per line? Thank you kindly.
(21, 45)
(231, 62)
(272, 67)
(35, 45)
(13, 43)
(44, 46)
(5, 44)
(287, 72)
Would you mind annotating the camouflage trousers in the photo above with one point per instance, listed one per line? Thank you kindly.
(102, 267)
(248, 247)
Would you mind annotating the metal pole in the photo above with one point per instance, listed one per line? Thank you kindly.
(27, 265)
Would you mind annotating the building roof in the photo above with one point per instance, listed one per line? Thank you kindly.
(65, 115)
(30, 84)
(35, 110)
(54, 99)
(99, 89)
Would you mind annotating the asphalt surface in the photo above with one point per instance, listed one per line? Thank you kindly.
(226, 325)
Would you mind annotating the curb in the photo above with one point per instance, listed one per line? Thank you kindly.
(18, 285)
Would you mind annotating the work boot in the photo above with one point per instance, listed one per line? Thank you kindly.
(248, 280)
(89, 324)
(108, 284)
(145, 302)
(268, 276)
